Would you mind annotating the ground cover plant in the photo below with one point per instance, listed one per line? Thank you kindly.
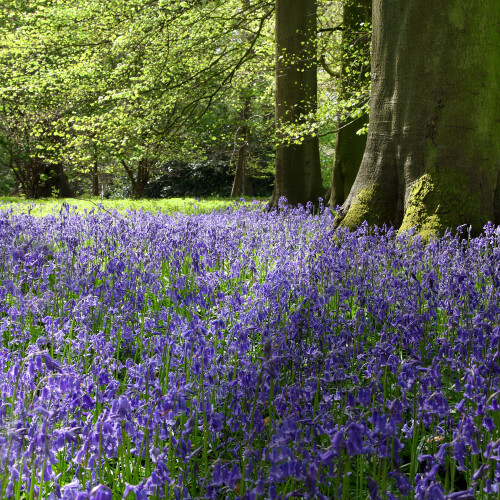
(48, 206)
(245, 354)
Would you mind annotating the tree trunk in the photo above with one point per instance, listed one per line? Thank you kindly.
(131, 177)
(248, 182)
(55, 183)
(349, 149)
(61, 183)
(95, 179)
(140, 179)
(354, 78)
(298, 173)
(432, 158)
(143, 174)
(240, 183)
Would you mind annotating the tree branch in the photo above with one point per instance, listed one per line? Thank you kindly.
(330, 30)
(326, 67)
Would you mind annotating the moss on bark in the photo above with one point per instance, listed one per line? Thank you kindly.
(360, 209)
(432, 158)
(369, 205)
(440, 201)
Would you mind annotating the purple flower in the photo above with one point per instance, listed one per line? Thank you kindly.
(461, 495)
(481, 472)
(123, 406)
(488, 424)
(103, 378)
(234, 476)
(50, 363)
(310, 480)
(402, 482)
(180, 331)
(220, 475)
(372, 488)
(100, 492)
(138, 490)
(160, 476)
(9, 490)
(355, 440)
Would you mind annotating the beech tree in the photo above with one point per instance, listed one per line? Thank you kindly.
(298, 172)
(354, 85)
(432, 158)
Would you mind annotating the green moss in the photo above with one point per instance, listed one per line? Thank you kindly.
(372, 204)
(360, 209)
(457, 16)
(439, 201)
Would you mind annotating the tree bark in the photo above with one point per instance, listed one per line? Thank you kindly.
(140, 179)
(242, 181)
(298, 173)
(95, 179)
(60, 182)
(354, 78)
(39, 179)
(143, 175)
(432, 158)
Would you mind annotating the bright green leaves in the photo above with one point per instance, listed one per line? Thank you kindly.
(102, 82)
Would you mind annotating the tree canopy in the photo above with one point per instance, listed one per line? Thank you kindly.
(115, 90)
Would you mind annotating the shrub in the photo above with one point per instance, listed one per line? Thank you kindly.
(204, 178)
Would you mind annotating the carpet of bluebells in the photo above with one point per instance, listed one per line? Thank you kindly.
(245, 354)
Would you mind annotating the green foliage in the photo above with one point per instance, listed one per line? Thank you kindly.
(51, 206)
(117, 88)
(91, 82)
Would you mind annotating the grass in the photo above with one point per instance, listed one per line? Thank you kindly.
(46, 206)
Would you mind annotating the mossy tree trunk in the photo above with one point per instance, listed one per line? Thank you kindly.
(432, 158)
(298, 172)
(354, 78)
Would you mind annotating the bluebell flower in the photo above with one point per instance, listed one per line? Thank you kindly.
(372, 488)
(355, 439)
(100, 492)
(51, 364)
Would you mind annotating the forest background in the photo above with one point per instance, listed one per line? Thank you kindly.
(159, 99)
